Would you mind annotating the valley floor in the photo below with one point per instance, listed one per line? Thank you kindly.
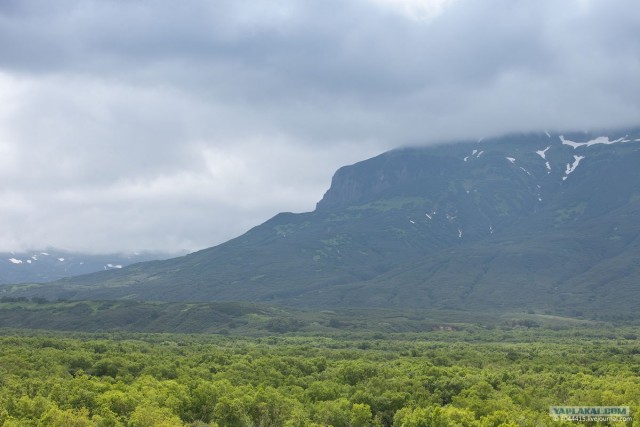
(499, 376)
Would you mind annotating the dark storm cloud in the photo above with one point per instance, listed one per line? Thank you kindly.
(203, 118)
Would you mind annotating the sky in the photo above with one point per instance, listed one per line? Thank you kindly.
(130, 125)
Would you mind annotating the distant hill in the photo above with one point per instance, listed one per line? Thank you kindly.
(545, 222)
(47, 265)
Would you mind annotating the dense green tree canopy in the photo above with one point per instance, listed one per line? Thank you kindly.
(495, 378)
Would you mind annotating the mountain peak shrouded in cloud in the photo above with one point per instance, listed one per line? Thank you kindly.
(157, 125)
(540, 221)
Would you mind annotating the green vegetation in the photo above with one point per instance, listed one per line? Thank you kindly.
(500, 289)
(571, 213)
(504, 376)
(254, 319)
(395, 203)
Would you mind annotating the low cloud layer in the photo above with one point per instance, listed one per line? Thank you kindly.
(128, 125)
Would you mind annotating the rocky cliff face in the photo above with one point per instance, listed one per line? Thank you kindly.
(392, 174)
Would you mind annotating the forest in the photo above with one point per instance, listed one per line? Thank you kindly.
(487, 377)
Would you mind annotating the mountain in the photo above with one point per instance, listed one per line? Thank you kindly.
(543, 222)
(53, 264)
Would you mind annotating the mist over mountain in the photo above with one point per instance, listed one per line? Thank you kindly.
(543, 221)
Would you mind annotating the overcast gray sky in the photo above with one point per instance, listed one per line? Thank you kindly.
(158, 124)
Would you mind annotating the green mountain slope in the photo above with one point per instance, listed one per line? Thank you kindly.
(538, 221)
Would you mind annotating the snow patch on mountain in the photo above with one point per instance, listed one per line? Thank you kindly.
(572, 166)
(526, 171)
(15, 261)
(543, 153)
(598, 140)
(474, 153)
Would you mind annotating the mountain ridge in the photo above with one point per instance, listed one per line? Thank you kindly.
(519, 221)
(50, 264)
